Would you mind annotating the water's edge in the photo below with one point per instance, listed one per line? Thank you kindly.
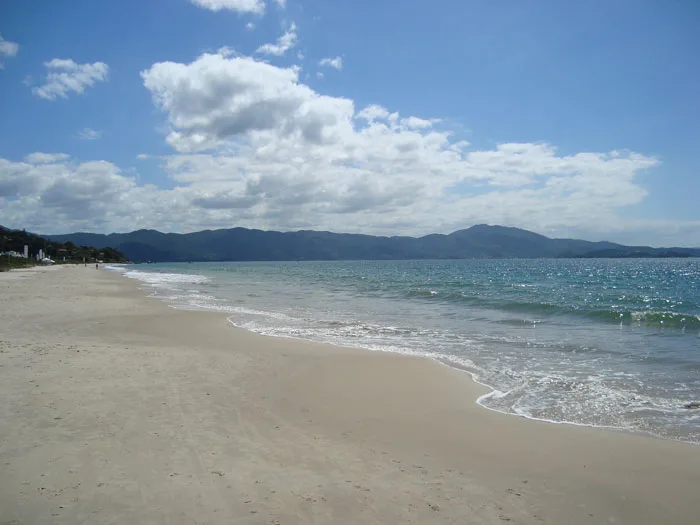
(441, 358)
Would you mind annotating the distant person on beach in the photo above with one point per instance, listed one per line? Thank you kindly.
(97, 266)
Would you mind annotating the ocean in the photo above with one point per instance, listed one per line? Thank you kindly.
(599, 342)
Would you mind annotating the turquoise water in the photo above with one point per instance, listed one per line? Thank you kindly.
(613, 343)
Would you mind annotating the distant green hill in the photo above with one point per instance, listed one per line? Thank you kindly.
(15, 240)
(241, 244)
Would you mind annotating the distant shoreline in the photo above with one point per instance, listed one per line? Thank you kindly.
(241, 244)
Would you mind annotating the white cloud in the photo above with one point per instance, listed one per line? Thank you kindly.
(89, 134)
(319, 74)
(45, 158)
(284, 43)
(281, 3)
(284, 156)
(66, 76)
(219, 97)
(335, 63)
(418, 123)
(8, 49)
(373, 112)
(250, 26)
(285, 190)
(90, 196)
(255, 147)
(240, 6)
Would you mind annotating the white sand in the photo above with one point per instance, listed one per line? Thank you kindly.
(118, 409)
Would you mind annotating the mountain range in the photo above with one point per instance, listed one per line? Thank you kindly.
(241, 244)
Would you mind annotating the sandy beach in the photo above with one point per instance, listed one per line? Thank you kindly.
(120, 409)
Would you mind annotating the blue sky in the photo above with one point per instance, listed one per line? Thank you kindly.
(570, 119)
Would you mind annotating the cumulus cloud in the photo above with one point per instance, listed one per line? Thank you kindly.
(373, 112)
(8, 49)
(45, 158)
(66, 76)
(66, 195)
(52, 193)
(335, 63)
(218, 97)
(418, 123)
(255, 147)
(284, 43)
(89, 134)
(240, 6)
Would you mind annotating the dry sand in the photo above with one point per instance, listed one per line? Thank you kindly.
(118, 409)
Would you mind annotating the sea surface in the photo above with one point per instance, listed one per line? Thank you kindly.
(609, 343)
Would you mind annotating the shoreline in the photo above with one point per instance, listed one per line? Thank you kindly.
(443, 359)
(129, 410)
(452, 366)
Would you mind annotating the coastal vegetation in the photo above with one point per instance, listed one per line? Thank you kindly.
(14, 241)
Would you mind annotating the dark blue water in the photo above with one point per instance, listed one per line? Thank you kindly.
(598, 342)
